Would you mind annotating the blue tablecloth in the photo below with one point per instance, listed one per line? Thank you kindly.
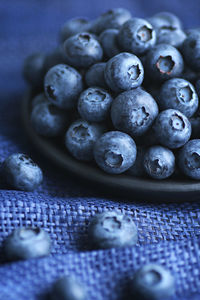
(168, 233)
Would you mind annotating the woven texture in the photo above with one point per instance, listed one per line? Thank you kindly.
(168, 233)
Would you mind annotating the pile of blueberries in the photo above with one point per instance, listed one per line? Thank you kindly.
(117, 82)
(106, 230)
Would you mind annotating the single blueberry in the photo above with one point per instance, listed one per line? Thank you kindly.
(112, 229)
(40, 98)
(115, 152)
(48, 120)
(154, 282)
(81, 137)
(137, 36)
(82, 50)
(68, 288)
(172, 37)
(25, 243)
(191, 50)
(178, 93)
(163, 62)
(112, 19)
(94, 104)
(137, 169)
(163, 21)
(189, 159)
(124, 72)
(172, 128)
(159, 162)
(62, 85)
(95, 75)
(21, 172)
(34, 69)
(73, 27)
(134, 112)
(108, 40)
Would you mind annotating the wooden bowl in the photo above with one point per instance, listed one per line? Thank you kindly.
(176, 190)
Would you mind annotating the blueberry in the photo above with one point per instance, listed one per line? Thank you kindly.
(137, 169)
(68, 288)
(40, 98)
(172, 37)
(172, 128)
(137, 36)
(81, 137)
(62, 85)
(191, 50)
(48, 120)
(179, 94)
(134, 112)
(21, 172)
(73, 27)
(34, 69)
(94, 104)
(25, 243)
(82, 50)
(163, 21)
(95, 75)
(189, 159)
(112, 229)
(54, 58)
(159, 162)
(108, 40)
(112, 19)
(124, 72)
(164, 62)
(115, 152)
(154, 282)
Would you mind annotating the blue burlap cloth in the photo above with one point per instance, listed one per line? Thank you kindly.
(168, 233)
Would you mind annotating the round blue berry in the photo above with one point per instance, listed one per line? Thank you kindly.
(172, 37)
(112, 19)
(153, 282)
(163, 21)
(73, 27)
(124, 72)
(137, 169)
(163, 62)
(21, 172)
(25, 243)
(62, 85)
(134, 112)
(115, 152)
(82, 50)
(172, 128)
(94, 104)
(189, 159)
(159, 162)
(178, 93)
(81, 137)
(112, 229)
(137, 36)
(34, 69)
(68, 288)
(108, 40)
(95, 75)
(48, 120)
(191, 50)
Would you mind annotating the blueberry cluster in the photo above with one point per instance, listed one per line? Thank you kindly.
(124, 92)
